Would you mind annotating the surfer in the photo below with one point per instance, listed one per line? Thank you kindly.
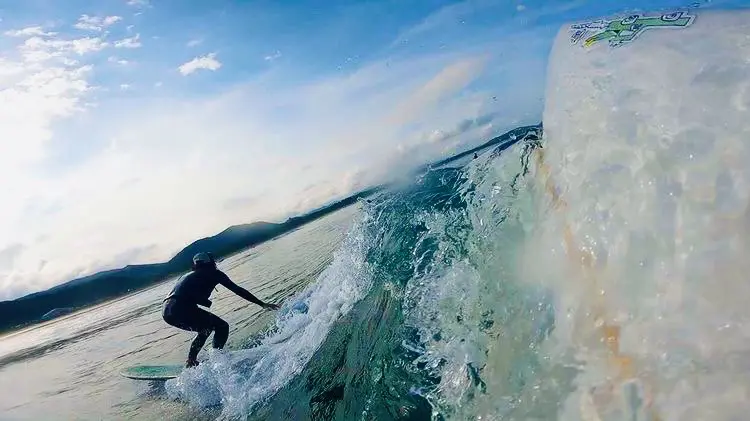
(181, 309)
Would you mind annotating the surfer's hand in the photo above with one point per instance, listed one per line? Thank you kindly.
(269, 306)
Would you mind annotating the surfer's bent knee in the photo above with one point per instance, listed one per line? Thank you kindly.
(221, 324)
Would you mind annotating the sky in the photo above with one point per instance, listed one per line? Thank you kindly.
(130, 128)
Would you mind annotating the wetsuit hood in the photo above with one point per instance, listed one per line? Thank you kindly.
(204, 260)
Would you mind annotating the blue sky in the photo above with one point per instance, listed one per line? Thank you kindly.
(131, 128)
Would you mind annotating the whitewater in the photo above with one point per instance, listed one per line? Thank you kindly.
(590, 269)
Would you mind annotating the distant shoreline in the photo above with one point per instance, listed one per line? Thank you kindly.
(107, 286)
(77, 311)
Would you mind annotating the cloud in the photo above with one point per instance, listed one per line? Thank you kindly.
(119, 61)
(464, 22)
(138, 3)
(275, 56)
(242, 202)
(463, 126)
(30, 106)
(449, 80)
(127, 257)
(131, 42)
(206, 62)
(30, 31)
(96, 23)
(8, 255)
(125, 86)
(194, 42)
(37, 49)
(41, 87)
(448, 15)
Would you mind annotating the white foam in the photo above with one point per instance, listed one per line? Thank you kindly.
(239, 380)
(647, 147)
(476, 330)
(434, 304)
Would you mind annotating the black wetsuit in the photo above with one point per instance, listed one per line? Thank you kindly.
(193, 289)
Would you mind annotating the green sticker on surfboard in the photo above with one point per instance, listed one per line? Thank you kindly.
(622, 31)
(152, 372)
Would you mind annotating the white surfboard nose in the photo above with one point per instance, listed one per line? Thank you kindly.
(646, 182)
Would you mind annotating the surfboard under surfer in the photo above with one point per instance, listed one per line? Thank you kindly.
(180, 308)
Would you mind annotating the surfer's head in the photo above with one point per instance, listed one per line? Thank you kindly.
(204, 260)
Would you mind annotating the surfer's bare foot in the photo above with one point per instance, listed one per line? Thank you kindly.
(191, 362)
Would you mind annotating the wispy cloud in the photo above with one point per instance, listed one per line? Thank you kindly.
(30, 31)
(206, 62)
(194, 42)
(131, 42)
(449, 80)
(138, 3)
(119, 61)
(96, 23)
(453, 22)
(450, 14)
(273, 57)
(37, 49)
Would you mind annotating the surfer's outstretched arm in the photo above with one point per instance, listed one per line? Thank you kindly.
(242, 292)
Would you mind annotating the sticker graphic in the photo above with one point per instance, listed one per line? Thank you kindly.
(622, 31)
